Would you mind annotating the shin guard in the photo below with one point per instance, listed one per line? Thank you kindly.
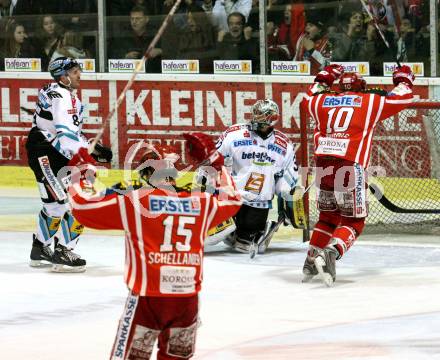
(323, 231)
(71, 230)
(346, 233)
(47, 227)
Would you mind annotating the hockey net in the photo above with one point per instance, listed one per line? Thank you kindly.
(407, 149)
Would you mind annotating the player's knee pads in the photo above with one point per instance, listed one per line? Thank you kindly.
(71, 230)
(47, 226)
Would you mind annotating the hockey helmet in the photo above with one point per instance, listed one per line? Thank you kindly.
(61, 65)
(158, 160)
(351, 81)
(264, 113)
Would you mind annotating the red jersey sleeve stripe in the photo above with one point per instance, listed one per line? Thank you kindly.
(370, 136)
(400, 101)
(130, 260)
(95, 204)
(142, 279)
(367, 123)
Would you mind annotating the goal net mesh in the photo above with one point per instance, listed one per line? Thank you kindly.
(406, 149)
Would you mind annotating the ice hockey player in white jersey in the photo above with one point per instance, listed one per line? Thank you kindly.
(56, 138)
(262, 164)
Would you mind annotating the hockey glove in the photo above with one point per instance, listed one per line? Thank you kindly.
(102, 154)
(82, 157)
(329, 74)
(403, 74)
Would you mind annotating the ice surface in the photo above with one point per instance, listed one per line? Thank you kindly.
(385, 304)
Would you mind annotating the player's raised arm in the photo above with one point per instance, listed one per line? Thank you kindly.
(401, 96)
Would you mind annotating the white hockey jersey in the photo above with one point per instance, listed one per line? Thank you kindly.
(260, 167)
(59, 117)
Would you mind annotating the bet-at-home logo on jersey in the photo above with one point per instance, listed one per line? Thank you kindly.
(290, 67)
(362, 68)
(232, 67)
(180, 66)
(22, 64)
(416, 67)
(125, 65)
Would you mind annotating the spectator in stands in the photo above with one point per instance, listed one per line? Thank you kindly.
(280, 46)
(71, 46)
(197, 41)
(237, 43)
(48, 38)
(313, 45)
(360, 41)
(16, 43)
(78, 15)
(406, 42)
(134, 44)
(223, 8)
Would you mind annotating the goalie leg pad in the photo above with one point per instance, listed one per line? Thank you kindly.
(346, 233)
(220, 232)
(71, 230)
(323, 231)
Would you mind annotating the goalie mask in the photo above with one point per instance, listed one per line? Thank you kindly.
(351, 81)
(265, 114)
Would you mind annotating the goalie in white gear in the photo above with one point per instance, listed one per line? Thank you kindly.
(262, 162)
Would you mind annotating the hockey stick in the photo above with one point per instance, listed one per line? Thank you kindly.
(378, 194)
(376, 25)
(27, 111)
(136, 71)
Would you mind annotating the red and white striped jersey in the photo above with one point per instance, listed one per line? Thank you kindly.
(165, 233)
(345, 122)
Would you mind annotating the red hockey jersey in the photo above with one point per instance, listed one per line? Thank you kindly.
(345, 122)
(164, 233)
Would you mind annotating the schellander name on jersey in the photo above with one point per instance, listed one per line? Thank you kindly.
(346, 100)
(172, 258)
(174, 205)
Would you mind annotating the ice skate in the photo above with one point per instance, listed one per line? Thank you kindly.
(309, 269)
(41, 255)
(65, 260)
(325, 263)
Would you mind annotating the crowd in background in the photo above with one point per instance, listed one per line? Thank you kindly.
(209, 30)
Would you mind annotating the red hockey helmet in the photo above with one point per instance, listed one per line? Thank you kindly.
(351, 81)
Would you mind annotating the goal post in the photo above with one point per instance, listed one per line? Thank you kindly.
(406, 150)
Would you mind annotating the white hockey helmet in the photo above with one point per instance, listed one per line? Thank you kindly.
(264, 113)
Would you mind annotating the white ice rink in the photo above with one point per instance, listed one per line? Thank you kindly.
(385, 304)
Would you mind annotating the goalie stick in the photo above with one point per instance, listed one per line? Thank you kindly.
(378, 194)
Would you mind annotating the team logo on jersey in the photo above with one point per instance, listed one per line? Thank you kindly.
(246, 134)
(280, 142)
(346, 100)
(238, 143)
(174, 205)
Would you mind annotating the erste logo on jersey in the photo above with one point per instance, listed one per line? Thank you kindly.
(174, 205)
(346, 100)
(277, 149)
